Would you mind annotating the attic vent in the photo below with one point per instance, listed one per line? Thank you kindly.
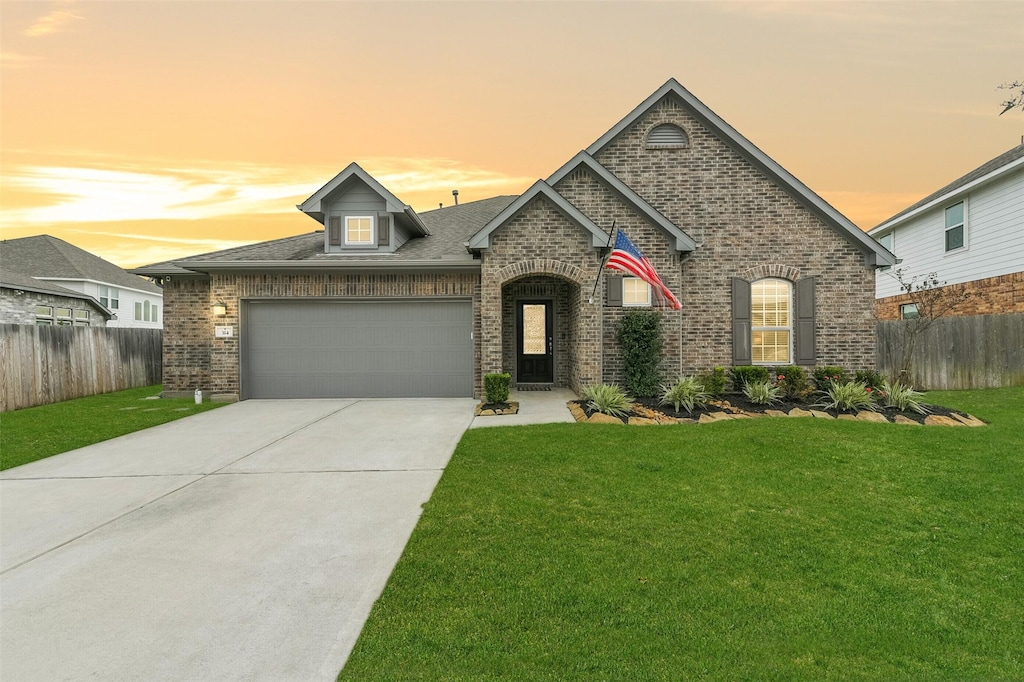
(667, 135)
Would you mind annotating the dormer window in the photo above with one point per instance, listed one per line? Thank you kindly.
(359, 230)
(667, 135)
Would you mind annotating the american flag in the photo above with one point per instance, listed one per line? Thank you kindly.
(626, 257)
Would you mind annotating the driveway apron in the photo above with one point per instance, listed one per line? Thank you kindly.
(246, 543)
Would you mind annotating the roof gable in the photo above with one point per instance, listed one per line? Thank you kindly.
(482, 239)
(314, 205)
(683, 242)
(874, 254)
(17, 281)
(44, 256)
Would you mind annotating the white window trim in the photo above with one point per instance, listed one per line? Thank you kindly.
(945, 230)
(903, 308)
(789, 329)
(344, 231)
(645, 304)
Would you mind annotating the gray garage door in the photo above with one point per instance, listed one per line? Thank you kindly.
(357, 349)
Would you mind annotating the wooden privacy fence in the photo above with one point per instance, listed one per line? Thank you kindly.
(41, 365)
(977, 351)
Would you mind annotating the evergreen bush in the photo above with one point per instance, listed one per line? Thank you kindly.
(640, 338)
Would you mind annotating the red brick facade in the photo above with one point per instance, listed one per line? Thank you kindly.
(990, 296)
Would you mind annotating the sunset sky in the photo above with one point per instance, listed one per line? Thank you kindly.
(144, 130)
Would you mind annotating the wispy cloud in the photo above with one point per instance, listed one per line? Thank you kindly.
(13, 60)
(107, 192)
(54, 21)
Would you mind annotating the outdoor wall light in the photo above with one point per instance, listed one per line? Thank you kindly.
(220, 308)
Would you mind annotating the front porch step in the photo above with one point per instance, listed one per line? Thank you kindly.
(534, 387)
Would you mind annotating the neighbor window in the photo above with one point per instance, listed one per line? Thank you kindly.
(908, 311)
(82, 318)
(771, 323)
(359, 230)
(888, 241)
(635, 292)
(63, 315)
(955, 227)
(109, 297)
(145, 311)
(44, 314)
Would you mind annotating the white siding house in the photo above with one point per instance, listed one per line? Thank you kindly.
(970, 230)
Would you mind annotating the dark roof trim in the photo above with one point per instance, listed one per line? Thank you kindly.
(482, 239)
(683, 242)
(323, 265)
(956, 189)
(874, 253)
(313, 206)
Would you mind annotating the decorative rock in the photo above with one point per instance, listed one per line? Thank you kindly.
(797, 412)
(509, 408)
(599, 418)
(821, 415)
(642, 421)
(968, 420)
(740, 415)
(708, 418)
(868, 416)
(847, 417)
(682, 420)
(939, 420)
(720, 416)
(900, 419)
(486, 413)
(775, 413)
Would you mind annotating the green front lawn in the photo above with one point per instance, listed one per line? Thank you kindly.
(757, 549)
(38, 432)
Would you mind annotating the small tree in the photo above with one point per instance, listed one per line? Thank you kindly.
(932, 299)
(1016, 100)
(640, 337)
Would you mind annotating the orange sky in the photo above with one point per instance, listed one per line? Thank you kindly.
(144, 131)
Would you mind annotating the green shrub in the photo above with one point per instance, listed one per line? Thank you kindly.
(869, 377)
(744, 374)
(640, 337)
(687, 392)
(792, 380)
(714, 382)
(496, 387)
(762, 392)
(607, 399)
(903, 398)
(846, 396)
(826, 375)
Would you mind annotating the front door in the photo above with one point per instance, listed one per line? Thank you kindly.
(535, 342)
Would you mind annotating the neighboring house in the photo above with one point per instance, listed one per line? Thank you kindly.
(388, 302)
(970, 233)
(132, 300)
(26, 300)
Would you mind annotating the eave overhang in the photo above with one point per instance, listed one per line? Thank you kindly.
(325, 266)
(482, 239)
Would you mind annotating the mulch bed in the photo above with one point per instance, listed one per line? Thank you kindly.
(738, 403)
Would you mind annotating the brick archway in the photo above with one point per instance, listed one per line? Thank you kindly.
(540, 266)
(771, 270)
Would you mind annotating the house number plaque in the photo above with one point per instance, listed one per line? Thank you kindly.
(223, 331)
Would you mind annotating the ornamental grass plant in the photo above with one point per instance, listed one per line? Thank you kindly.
(903, 398)
(763, 392)
(607, 399)
(688, 392)
(847, 396)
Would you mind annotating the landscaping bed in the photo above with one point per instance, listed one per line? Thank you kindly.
(647, 411)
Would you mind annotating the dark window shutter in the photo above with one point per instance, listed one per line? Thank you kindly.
(805, 323)
(383, 230)
(613, 295)
(334, 230)
(740, 322)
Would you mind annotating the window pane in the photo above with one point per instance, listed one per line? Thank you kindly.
(635, 291)
(955, 215)
(138, 310)
(113, 304)
(82, 314)
(154, 313)
(886, 240)
(908, 311)
(44, 310)
(358, 230)
(44, 323)
(954, 238)
(770, 347)
(63, 312)
(535, 332)
(145, 311)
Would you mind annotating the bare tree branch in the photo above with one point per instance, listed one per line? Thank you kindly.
(1017, 100)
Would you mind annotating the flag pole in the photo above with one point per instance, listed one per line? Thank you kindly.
(604, 260)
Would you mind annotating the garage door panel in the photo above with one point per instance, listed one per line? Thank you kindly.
(348, 349)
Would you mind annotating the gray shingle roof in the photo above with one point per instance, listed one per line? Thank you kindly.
(979, 172)
(46, 256)
(17, 280)
(449, 227)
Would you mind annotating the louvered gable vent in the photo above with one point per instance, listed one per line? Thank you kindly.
(667, 135)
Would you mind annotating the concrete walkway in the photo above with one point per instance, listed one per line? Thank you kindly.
(244, 543)
(535, 407)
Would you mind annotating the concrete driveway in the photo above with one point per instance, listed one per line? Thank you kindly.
(244, 543)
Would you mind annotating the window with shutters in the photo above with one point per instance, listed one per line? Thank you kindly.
(771, 322)
(667, 135)
(358, 230)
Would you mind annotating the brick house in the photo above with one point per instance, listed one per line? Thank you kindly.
(387, 302)
(970, 233)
